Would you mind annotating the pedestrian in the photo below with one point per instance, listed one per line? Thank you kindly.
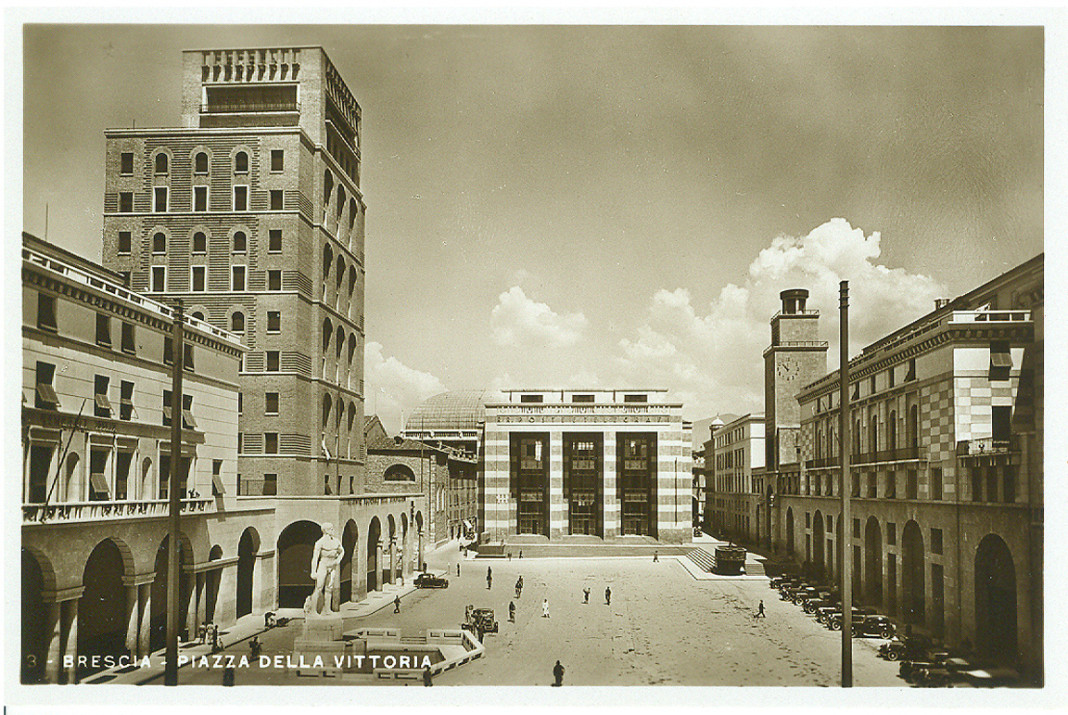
(396, 604)
(518, 587)
(545, 608)
(428, 678)
(656, 556)
(228, 676)
(202, 633)
(509, 555)
(760, 611)
(607, 596)
(254, 647)
(467, 613)
(521, 553)
(457, 568)
(586, 595)
(268, 619)
(511, 611)
(558, 674)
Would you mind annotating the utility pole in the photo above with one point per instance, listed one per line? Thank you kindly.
(845, 522)
(174, 505)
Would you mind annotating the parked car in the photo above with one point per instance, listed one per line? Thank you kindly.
(824, 612)
(777, 581)
(785, 581)
(429, 580)
(874, 626)
(802, 595)
(906, 648)
(787, 592)
(834, 621)
(813, 604)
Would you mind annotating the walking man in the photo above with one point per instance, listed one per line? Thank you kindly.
(428, 679)
(558, 674)
(545, 608)
(511, 611)
(521, 553)
(396, 604)
(760, 611)
(586, 595)
(489, 578)
(607, 596)
(519, 587)
(656, 556)
(457, 568)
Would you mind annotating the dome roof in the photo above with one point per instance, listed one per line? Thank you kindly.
(460, 409)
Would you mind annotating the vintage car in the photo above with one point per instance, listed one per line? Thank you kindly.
(809, 592)
(906, 648)
(786, 593)
(481, 618)
(429, 580)
(824, 612)
(813, 604)
(834, 621)
(777, 581)
(874, 626)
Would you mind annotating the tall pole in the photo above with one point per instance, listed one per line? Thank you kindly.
(845, 522)
(174, 505)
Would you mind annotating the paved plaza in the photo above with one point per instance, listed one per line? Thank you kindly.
(663, 627)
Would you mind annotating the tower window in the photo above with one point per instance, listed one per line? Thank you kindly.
(161, 163)
(276, 199)
(270, 443)
(126, 202)
(241, 163)
(271, 403)
(274, 280)
(200, 163)
(277, 160)
(200, 242)
(126, 162)
(273, 364)
(274, 321)
(125, 242)
(274, 241)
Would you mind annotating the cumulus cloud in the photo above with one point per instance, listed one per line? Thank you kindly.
(712, 359)
(393, 389)
(519, 320)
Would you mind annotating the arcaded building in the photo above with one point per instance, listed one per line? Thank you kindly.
(605, 463)
(946, 444)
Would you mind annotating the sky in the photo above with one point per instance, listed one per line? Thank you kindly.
(581, 206)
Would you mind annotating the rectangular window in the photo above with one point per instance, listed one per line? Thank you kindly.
(237, 278)
(159, 275)
(98, 483)
(270, 485)
(187, 413)
(240, 198)
(199, 278)
(891, 533)
(103, 330)
(277, 160)
(168, 351)
(126, 202)
(123, 460)
(271, 403)
(126, 409)
(911, 374)
(126, 162)
(274, 321)
(530, 398)
(911, 486)
(129, 344)
(200, 198)
(270, 443)
(891, 484)
(240, 403)
(159, 202)
(46, 312)
(1000, 422)
(217, 488)
(40, 470)
(582, 398)
(101, 406)
(273, 364)
(635, 398)
(872, 386)
(890, 377)
(276, 200)
(1000, 360)
(45, 397)
(936, 541)
(166, 408)
(187, 361)
(936, 483)
(274, 280)
(240, 443)
(125, 242)
(274, 240)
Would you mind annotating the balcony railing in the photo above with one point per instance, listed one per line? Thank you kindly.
(986, 446)
(990, 316)
(886, 455)
(69, 512)
(241, 107)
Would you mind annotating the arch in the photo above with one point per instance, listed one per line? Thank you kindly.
(817, 543)
(873, 433)
(198, 314)
(158, 616)
(995, 600)
(159, 242)
(36, 570)
(419, 541)
(349, 542)
(339, 342)
(247, 548)
(391, 576)
(102, 608)
(399, 473)
(72, 482)
(353, 277)
(295, 546)
(327, 404)
(237, 322)
(348, 432)
(328, 187)
(374, 536)
(211, 584)
(912, 574)
(201, 161)
(328, 334)
(339, 272)
(790, 530)
(239, 242)
(241, 162)
(340, 201)
(873, 562)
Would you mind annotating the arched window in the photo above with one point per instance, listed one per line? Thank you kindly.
(399, 473)
(240, 242)
(198, 315)
(340, 201)
(328, 187)
(352, 213)
(237, 322)
(200, 163)
(200, 242)
(159, 243)
(161, 163)
(240, 162)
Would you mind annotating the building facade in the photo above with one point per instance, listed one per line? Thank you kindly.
(738, 493)
(603, 463)
(946, 444)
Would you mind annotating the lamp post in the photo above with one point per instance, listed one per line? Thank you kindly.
(845, 522)
(173, 504)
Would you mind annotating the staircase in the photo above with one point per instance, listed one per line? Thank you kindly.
(702, 558)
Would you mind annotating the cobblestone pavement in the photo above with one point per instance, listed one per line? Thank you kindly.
(662, 627)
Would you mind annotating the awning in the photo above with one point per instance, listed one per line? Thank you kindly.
(1000, 359)
(99, 484)
(217, 485)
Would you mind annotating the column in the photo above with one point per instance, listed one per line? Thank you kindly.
(144, 635)
(558, 513)
(420, 549)
(226, 603)
(71, 651)
(131, 619)
(393, 559)
(54, 632)
(191, 606)
(378, 565)
(202, 602)
(610, 502)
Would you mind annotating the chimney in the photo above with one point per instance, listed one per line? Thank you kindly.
(941, 303)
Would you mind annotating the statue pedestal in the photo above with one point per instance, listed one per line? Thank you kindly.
(320, 649)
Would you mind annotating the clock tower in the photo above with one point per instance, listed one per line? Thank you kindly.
(795, 358)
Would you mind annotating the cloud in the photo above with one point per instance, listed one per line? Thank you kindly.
(712, 361)
(519, 320)
(394, 389)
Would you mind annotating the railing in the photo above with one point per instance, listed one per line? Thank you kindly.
(106, 510)
(886, 455)
(807, 311)
(378, 499)
(990, 316)
(241, 107)
(985, 446)
(79, 276)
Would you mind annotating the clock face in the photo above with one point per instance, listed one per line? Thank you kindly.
(787, 369)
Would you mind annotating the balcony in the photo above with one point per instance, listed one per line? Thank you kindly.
(242, 107)
(92, 511)
(990, 316)
(901, 454)
(976, 450)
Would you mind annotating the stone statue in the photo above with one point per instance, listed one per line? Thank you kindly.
(326, 570)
